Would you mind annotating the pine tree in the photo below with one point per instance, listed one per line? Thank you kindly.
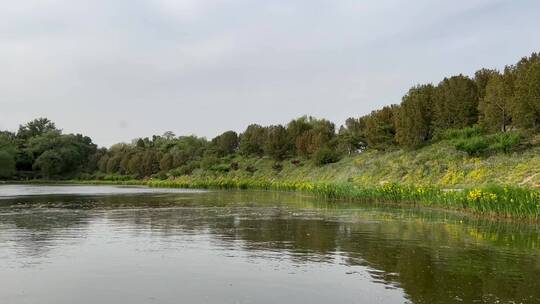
(380, 127)
(494, 107)
(526, 104)
(481, 78)
(414, 118)
(456, 103)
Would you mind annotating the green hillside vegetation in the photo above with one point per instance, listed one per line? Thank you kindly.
(461, 133)
(441, 164)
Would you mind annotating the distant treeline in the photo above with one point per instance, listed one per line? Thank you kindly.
(492, 102)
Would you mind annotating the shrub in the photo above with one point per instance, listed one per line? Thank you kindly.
(160, 175)
(277, 166)
(505, 142)
(86, 176)
(296, 162)
(209, 161)
(450, 134)
(184, 170)
(221, 168)
(325, 156)
(118, 178)
(476, 145)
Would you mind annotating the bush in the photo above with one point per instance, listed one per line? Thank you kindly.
(464, 133)
(209, 161)
(325, 156)
(184, 170)
(296, 162)
(118, 178)
(505, 142)
(86, 176)
(160, 175)
(277, 166)
(220, 168)
(476, 145)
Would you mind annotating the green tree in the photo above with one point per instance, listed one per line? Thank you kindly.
(526, 103)
(481, 78)
(414, 117)
(8, 153)
(140, 143)
(297, 127)
(226, 143)
(456, 103)
(320, 134)
(7, 164)
(495, 106)
(150, 162)
(75, 150)
(49, 163)
(252, 140)
(325, 155)
(277, 143)
(134, 165)
(351, 136)
(167, 162)
(102, 163)
(380, 127)
(168, 135)
(94, 160)
(113, 164)
(36, 127)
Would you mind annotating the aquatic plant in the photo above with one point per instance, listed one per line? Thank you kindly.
(498, 201)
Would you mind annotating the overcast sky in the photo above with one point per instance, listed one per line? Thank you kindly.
(120, 69)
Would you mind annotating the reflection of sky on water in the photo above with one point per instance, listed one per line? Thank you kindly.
(258, 247)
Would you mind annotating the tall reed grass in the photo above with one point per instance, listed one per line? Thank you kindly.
(497, 201)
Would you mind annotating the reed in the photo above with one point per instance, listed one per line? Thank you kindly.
(497, 201)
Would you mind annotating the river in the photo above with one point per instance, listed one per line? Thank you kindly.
(108, 244)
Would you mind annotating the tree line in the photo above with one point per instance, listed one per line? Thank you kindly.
(491, 100)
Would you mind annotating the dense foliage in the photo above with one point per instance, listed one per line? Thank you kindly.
(39, 149)
(488, 113)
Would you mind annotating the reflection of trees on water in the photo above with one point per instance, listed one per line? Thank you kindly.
(36, 232)
(434, 262)
(434, 258)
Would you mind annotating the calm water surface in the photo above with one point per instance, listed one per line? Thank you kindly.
(104, 244)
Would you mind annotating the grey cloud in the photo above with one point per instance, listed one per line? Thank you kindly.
(120, 69)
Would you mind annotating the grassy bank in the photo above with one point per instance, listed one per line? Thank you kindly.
(439, 165)
(500, 185)
(490, 201)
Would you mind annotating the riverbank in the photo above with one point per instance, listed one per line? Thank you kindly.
(503, 185)
(488, 201)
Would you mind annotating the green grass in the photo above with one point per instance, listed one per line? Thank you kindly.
(437, 175)
(439, 164)
(491, 201)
